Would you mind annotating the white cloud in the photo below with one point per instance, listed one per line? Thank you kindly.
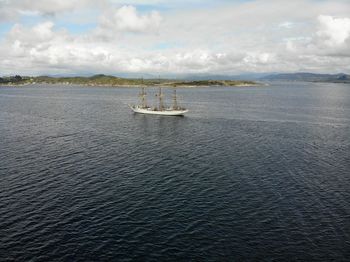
(334, 31)
(287, 25)
(37, 35)
(233, 37)
(12, 10)
(126, 18)
(331, 38)
(258, 58)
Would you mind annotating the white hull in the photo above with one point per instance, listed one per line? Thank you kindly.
(168, 112)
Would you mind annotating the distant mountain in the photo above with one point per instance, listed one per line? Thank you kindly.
(205, 77)
(309, 77)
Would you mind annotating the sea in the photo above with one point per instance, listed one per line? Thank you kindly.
(249, 174)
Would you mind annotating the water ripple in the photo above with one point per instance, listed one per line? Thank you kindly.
(262, 176)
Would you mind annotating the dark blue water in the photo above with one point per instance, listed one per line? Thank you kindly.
(249, 174)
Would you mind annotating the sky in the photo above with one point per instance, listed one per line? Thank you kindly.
(162, 37)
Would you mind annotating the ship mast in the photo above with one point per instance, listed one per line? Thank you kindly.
(175, 106)
(160, 95)
(161, 102)
(143, 96)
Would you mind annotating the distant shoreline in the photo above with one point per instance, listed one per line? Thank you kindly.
(111, 81)
(133, 86)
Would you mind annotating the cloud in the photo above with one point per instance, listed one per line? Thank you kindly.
(128, 19)
(331, 38)
(333, 31)
(13, 9)
(286, 25)
(34, 36)
(259, 58)
(230, 37)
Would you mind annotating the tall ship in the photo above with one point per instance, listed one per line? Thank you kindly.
(160, 109)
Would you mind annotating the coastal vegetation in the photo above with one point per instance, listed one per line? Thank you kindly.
(105, 80)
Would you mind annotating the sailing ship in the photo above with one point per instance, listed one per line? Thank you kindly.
(160, 109)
